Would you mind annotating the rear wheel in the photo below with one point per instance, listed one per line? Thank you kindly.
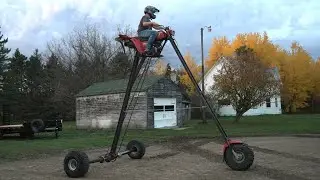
(37, 125)
(138, 149)
(76, 164)
(239, 157)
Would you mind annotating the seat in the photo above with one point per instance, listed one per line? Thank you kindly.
(124, 37)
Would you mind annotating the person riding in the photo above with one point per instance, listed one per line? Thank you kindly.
(146, 25)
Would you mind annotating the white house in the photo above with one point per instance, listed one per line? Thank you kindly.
(269, 106)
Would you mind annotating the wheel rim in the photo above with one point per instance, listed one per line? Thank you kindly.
(134, 150)
(72, 164)
(239, 158)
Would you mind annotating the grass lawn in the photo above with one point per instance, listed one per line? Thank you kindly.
(70, 138)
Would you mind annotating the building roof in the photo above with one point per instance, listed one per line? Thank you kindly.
(119, 86)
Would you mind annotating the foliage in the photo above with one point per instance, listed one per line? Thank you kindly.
(120, 66)
(244, 81)
(45, 85)
(195, 70)
(295, 66)
(220, 47)
(159, 67)
(296, 78)
(15, 84)
(4, 51)
(316, 76)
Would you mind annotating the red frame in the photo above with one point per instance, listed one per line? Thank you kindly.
(141, 45)
(226, 144)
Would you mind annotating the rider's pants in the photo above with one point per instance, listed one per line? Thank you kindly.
(152, 34)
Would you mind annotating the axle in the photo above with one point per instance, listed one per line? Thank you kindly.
(108, 158)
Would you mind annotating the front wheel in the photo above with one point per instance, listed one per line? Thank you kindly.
(138, 149)
(239, 157)
(76, 164)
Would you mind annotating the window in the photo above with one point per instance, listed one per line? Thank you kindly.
(169, 108)
(276, 102)
(268, 103)
(158, 108)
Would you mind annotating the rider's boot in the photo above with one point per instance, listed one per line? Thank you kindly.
(148, 53)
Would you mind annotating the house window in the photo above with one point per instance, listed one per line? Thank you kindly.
(276, 102)
(268, 103)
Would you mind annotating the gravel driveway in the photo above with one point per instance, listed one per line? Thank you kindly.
(292, 158)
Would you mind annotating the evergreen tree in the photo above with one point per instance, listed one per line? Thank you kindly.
(35, 90)
(15, 83)
(34, 73)
(4, 51)
(3, 59)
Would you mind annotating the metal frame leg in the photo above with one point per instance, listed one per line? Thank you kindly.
(175, 47)
(133, 75)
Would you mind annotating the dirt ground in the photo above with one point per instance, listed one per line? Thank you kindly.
(292, 158)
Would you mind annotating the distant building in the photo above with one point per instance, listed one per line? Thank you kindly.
(159, 104)
(269, 106)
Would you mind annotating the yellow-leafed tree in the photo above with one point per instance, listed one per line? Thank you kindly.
(196, 71)
(316, 75)
(260, 43)
(220, 47)
(160, 67)
(296, 76)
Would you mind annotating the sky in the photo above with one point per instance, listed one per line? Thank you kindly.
(31, 24)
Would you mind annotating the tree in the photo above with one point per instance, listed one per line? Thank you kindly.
(316, 82)
(35, 95)
(168, 71)
(4, 51)
(85, 56)
(14, 86)
(316, 74)
(244, 81)
(184, 77)
(264, 49)
(119, 66)
(296, 76)
(220, 47)
(34, 73)
(59, 89)
(159, 67)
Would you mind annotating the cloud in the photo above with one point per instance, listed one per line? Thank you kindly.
(29, 24)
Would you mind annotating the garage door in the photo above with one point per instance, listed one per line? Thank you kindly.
(165, 114)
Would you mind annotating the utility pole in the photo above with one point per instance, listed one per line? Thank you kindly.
(202, 74)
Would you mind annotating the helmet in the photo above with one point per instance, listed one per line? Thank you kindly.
(151, 11)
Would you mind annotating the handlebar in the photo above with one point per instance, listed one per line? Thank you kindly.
(164, 27)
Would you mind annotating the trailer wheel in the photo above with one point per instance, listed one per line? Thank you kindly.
(76, 164)
(37, 125)
(138, 149)
(242, 160)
